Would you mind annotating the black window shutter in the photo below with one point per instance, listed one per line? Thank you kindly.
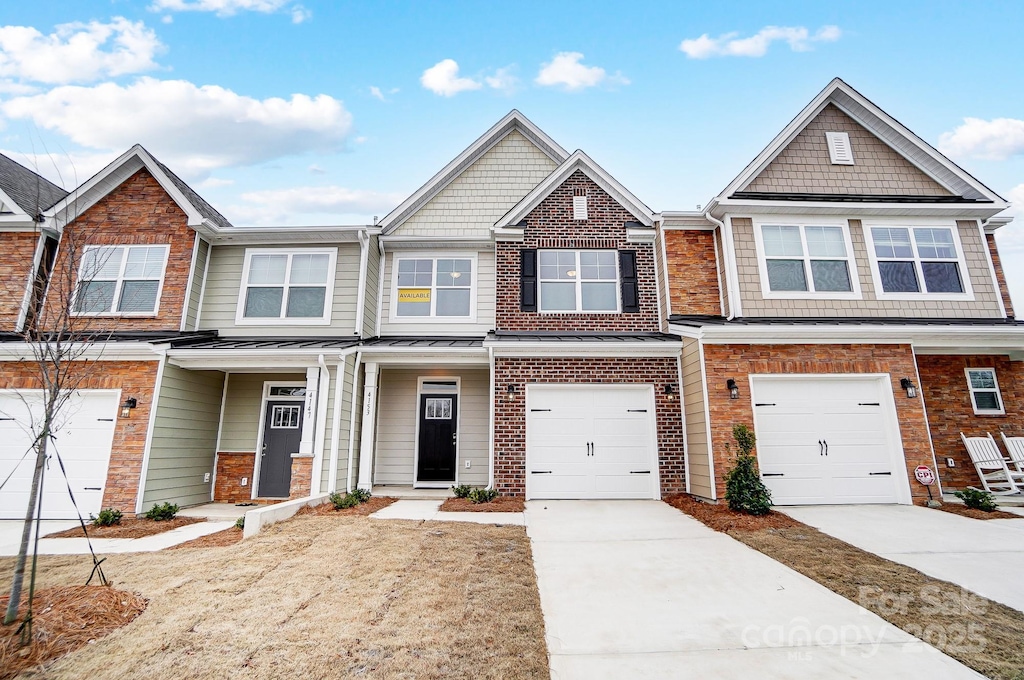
(630, 289)
(528, 280)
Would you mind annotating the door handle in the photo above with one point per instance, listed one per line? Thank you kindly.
(455, 437)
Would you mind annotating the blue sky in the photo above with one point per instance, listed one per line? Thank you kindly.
(312, 112)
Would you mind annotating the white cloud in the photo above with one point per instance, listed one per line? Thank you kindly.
(227, 8)
(300, 14)
(276, 206)
(996, 139)
(798, 38)
(316, 169)
(194, 129)
(77, 52)
(215, 182)
(378, 93)
(566, 71)
(504, 79)
(443, 79)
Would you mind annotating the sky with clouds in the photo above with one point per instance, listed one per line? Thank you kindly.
(306, 112)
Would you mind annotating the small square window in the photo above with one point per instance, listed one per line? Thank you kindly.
(984, 390)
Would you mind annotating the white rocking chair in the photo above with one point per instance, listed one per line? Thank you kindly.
(1015, 447)
(995, 474)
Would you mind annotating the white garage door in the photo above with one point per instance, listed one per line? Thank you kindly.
(83, 437)
(828, 440)
(590, 441)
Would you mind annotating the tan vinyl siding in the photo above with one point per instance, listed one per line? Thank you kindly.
(240, 429)
(184, 437)
(696, 415)
(221, 298)
(396, 425)
(484, 303)
(372, 287)
(804, 166)
(485, 191)
(360, 379)
(984, 305)
(195, 288)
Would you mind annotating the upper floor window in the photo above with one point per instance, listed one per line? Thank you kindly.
(434, 287)
(984, 389)
(578, 280)
(281, 286)
(806, 260)
(918, 261)
(120, 279)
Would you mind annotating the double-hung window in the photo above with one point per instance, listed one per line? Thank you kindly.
(806, 260)
(578, 280)
(120, 279)
(287, 286)
(984, 389)
(918, 260)
(434, 287)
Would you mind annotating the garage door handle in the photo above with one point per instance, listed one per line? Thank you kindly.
(105, 420)
(869, 403)
(886, 474)
(826, 446)
(764, 404)
(773, 474)
(540, 472)
(636, 410)
(93, 488)
(639, 472)
(535, 410)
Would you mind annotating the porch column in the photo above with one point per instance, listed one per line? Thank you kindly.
(366, 438)
(309, 408)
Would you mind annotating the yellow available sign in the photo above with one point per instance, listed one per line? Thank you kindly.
(414, 295)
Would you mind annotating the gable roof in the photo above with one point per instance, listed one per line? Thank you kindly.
(199, 212)
(585, 164)
(890, 131)
(514, 120)
(25, 189)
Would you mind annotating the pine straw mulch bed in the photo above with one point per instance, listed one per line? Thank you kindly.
(128, 528)
(978, 632)
(965, 511)
(217, 539)
(321, 597)
(499, 504)
(368, 508)
(64, 619)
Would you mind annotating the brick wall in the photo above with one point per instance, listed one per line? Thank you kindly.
(738, 361)
(950, 412)
(1004, 291)
(510, 417)
(550, 225)
(134, 379)
(138, 212)
(692, 271)
(232, 466)
(17, 252)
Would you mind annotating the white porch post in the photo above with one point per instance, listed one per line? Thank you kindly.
(366, 438)
(310, 409)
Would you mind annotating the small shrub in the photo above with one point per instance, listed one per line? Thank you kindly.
(462, 490)
(349, 500)
(362, 495)
(161, 513)
(108, 517)
(977, 499)
(482, 495)
(744, 489)
(240, 522)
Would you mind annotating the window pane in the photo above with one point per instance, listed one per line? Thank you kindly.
(782, 241)
(556, 297)
(898, 277)
(892, 242)
(267, 269)
(263, 302)
(981, 380)
(825, 242)
(138, 296)
(942, 277)
(306, 302)
(144, 262)
(453, 302)
(935, 243)
(986, 401)
(415, 272)
(786, 275)
(598, 265)
(599, 297)
(102, 263)
(419, 308)
(454, 273)
(310, 268)
(95, 296)
(830, 275)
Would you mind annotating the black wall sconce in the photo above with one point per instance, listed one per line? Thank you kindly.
(128, 405)
(734, 391)
(510, 392)
(908, 385)
(670, 392)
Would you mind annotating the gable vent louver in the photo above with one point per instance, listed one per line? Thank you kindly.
(579, 205)
(839, 149)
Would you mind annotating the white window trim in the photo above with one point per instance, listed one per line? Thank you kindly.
(912, 223)
(579, 284)
(120, 281)
(242, 320)
(971, 390)
(396, 257)
(801, 222)
(457, 391)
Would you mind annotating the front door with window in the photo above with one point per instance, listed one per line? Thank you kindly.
(438, 417)
(282, 432)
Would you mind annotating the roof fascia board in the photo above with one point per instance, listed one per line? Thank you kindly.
(270, 235)
(399, 242)
(15, 210)
(98, 351)
(739, 207)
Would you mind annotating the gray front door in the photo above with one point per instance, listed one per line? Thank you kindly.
(282, 432)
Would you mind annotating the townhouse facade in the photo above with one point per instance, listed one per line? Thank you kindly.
(522, 322)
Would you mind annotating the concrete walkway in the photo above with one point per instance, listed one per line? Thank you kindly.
(984, 556)
(423, 510)
(638, 589)
(10, 539)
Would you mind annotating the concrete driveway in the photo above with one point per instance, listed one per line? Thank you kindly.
(638, 589)
(984, 556)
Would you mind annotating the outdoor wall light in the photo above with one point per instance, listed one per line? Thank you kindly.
(510, 392)
(670, 392)
(908, 385)
(128, 405)
(734, 391)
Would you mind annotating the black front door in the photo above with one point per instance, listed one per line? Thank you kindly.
(282, 432)
(438, 413)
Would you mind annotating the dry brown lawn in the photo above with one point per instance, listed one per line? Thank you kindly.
(127, 528)
(973, 513)
(499, 504)
(322, 597)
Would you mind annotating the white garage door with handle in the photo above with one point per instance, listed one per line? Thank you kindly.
(591, 441)
(829, 439)
(83, 435)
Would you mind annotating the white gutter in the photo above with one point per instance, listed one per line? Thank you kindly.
(352, 422)
(992, 268)
(665, 284)
(380, 289)
(364, 249)
(732, 275)
(490, 460)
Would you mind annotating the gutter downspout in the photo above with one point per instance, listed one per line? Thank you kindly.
(364, 249)
(490, 444)
(352, 421)
(380, 289)
(731, 274)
